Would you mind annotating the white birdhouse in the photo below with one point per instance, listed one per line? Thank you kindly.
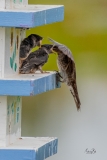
(15, 17)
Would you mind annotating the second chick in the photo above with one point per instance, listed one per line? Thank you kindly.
(36, 60)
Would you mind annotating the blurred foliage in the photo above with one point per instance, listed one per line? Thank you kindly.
(84, 31)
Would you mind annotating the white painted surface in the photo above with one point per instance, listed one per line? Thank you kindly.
(13, 40)
(32, 8)
(30, 142)
(25, 2)
(2, 51)
(37, 75)
(3, 120)
(10, 39)
(11, 3)
(2, 4)
(10, 120)
(14, 105)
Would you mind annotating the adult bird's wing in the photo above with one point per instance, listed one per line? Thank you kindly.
(62, 48)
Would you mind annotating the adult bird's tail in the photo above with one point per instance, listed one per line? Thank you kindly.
(74, 92)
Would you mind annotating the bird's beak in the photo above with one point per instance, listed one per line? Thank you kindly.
(52, 50)
(40, 43)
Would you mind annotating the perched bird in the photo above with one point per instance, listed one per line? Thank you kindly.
(36, 59)
(67, 69)
(27, 44)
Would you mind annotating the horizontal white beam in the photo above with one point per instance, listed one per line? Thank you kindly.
(29, 16)
(30, 149)
(28, 84)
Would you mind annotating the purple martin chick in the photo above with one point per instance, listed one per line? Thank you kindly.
(27, 44)
(36, 60)
(67, 69)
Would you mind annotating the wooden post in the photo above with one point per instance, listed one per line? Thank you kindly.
(16, 15)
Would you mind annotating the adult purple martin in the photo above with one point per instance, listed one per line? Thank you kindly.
(27, 44)
(67, 69)
(36, 60)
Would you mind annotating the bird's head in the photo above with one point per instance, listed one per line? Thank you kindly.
(48, 47)
(55, 45)
(56, 49)
(38, 39)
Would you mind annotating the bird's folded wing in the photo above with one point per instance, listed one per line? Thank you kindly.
(62, 48)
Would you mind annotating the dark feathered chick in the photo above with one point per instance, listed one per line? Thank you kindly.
(27, 44)
(67, 69)
(36, 59)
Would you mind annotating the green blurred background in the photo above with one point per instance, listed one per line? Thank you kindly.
(84, 31)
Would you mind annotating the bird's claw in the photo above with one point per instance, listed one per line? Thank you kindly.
(59, 77)
(58, 74)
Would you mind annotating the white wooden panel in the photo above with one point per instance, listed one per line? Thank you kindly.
(31, 142)
(2, 51)
(3, 118)
(2, 3)
(10, 119)
(25, 2)
(13, 119)
(10, 39)
(13, 40)
(12, 3)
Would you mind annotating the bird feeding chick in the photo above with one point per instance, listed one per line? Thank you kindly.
(67, 69)
(36, 60)
(27, 45)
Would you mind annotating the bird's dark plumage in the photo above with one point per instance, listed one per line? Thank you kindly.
(67, 69)
(27, 44)
(36, 59)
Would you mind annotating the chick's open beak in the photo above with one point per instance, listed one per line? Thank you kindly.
(40, 43)
(52, 50)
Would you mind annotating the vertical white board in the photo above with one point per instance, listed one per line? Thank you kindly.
(10, 119)
(14, 38)
(2, 3)
(2, 51)
(13, 131)
(10, 39)
(3, 120)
